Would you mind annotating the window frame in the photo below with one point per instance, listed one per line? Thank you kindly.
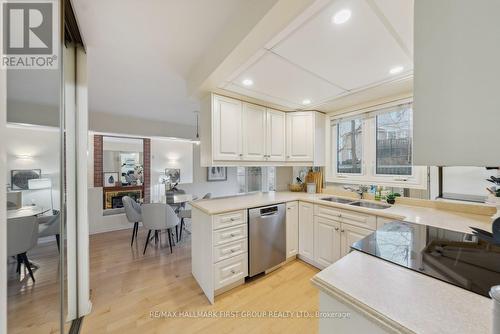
(362, 148)
(412, 175)
(417, 180)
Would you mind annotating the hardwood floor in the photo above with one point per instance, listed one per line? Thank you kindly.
(127, 287)
(33, 307)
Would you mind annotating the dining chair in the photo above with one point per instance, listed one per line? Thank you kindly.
(158, 217)
(22, 235)
(186, 214)
(133, 212)
(50, 226)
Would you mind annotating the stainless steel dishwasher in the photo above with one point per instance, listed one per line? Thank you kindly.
(267, 238)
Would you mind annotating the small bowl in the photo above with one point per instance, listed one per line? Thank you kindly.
(296, 187)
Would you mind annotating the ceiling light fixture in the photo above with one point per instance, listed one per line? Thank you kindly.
(247, 82)
(197, 140)
(396, 70)
(342, 16)
(306, 102)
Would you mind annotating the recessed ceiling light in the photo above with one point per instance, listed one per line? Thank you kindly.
(342, 16)
(396, 70)
(247, 82)
(306, 102)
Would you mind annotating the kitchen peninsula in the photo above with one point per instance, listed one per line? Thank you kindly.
(319, 232)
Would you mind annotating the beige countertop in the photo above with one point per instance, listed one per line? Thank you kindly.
(452, 220)
(403, 300)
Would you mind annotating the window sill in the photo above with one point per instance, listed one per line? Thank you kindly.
(381, 181)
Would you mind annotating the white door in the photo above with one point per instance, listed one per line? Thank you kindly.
(226, 126)
(306, 230)
(326, 241)
(292, 228)
(299, 136)
(254, 132)
(350, 234)
(275, 135)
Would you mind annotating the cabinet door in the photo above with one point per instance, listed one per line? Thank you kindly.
(292, 229)
(254, 132)
(306, 230)
(275, 135)
(326, 241)
(299, 136)
(350, 234)
(226, 126)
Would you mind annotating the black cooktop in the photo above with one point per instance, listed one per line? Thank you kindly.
(458, 258)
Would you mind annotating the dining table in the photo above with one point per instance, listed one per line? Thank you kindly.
(26, 211)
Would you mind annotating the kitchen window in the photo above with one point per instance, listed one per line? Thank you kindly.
(375, 146)
(394, 141)
(350, 146)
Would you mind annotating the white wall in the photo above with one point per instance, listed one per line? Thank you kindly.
(201, 186)
(467, 180)
(168, 153)
(35, 147)
(112, 123)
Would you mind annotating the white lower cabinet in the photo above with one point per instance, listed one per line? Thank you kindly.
(327, 233)
(292, 229)
(351, 234)
(306, 230)
(326, 241)
(230, 270)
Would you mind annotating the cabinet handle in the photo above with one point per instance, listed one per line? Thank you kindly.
(233, 219)
(342, 231)
(232, 271)
(336, 229)
(232, 234)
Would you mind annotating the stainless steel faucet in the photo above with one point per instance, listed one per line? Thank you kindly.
(360, 190)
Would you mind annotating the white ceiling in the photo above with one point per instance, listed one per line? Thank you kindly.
(325, 62)
(140, 52)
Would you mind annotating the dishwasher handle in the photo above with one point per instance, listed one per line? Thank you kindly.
(265, 215)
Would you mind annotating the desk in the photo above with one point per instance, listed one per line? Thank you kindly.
(26, 211)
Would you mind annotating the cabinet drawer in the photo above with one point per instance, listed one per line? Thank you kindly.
(359, 219)
(229, 234)
(327, 212)
(230, 270)
(230, 219)
(226, 251)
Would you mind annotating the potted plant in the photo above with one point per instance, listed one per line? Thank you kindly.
(391, 198)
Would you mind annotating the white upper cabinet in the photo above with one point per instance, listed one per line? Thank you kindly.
(254, 132)
(227, 139)
(275, 135)
(299, 129)
(305, 137)
(457, 67)
(235, 133)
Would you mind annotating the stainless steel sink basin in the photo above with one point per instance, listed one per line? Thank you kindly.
(370, 205)
(338, 200)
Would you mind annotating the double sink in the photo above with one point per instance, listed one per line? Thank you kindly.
(362, 204)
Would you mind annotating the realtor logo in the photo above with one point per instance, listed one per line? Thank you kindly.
(29, 34)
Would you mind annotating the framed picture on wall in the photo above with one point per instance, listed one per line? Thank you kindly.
(173, 175)
(110, 179)
(19, 178)
(216, 173)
